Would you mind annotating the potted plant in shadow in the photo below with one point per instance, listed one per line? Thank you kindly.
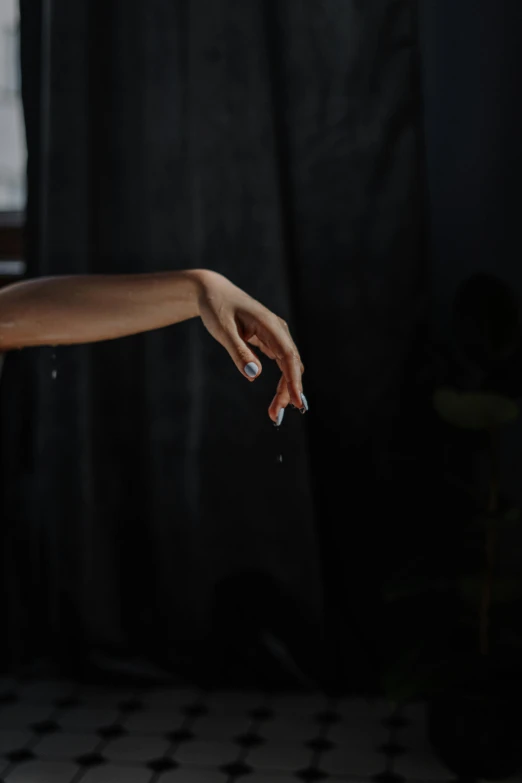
(467, 662)
(474, 711)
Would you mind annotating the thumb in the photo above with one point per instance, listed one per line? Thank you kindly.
(245, 359)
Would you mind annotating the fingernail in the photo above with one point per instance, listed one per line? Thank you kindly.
(251, 369)
(279, 417)
(305, 403)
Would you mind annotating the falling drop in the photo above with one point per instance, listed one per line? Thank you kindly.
(280, 457)
(54, 374)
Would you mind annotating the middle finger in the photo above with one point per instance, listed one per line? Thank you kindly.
(289, 362)
(280, 401)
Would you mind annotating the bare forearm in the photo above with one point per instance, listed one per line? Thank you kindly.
(91, 308)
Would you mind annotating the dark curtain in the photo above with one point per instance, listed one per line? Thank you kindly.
(279, 143)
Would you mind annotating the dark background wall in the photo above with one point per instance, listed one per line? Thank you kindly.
(473, 121)
(471, 74)
(472, 67)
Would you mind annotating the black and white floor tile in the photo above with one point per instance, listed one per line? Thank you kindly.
(54, 732)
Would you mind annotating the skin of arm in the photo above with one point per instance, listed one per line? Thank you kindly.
(92, 308)
(77, 309)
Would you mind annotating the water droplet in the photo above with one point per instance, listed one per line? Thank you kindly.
(54, 374)
(280, 458)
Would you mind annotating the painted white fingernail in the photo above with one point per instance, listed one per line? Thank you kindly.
(305, 403)
(251, 369)
(280, 417)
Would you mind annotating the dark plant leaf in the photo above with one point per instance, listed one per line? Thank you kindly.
(414, 586)
(505, 589)
(505, 377)
(405, 679)
(506, 519)
(513, 515)
(486, 319)
(402, 687)
(474, 411)
(466, 488)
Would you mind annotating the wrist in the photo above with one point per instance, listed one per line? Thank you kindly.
(202, 280)
(201, 277)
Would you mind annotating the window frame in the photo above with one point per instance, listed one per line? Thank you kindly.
(12, 220)
(12, 264)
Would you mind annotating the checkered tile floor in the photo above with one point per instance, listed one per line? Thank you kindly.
(54, 732)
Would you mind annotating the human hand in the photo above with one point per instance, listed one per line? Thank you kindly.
(236, 320)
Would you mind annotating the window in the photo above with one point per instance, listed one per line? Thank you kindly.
(12, 143)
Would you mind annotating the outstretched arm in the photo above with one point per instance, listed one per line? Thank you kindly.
(92, 308)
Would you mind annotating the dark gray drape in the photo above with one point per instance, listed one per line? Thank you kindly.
(280, 144)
